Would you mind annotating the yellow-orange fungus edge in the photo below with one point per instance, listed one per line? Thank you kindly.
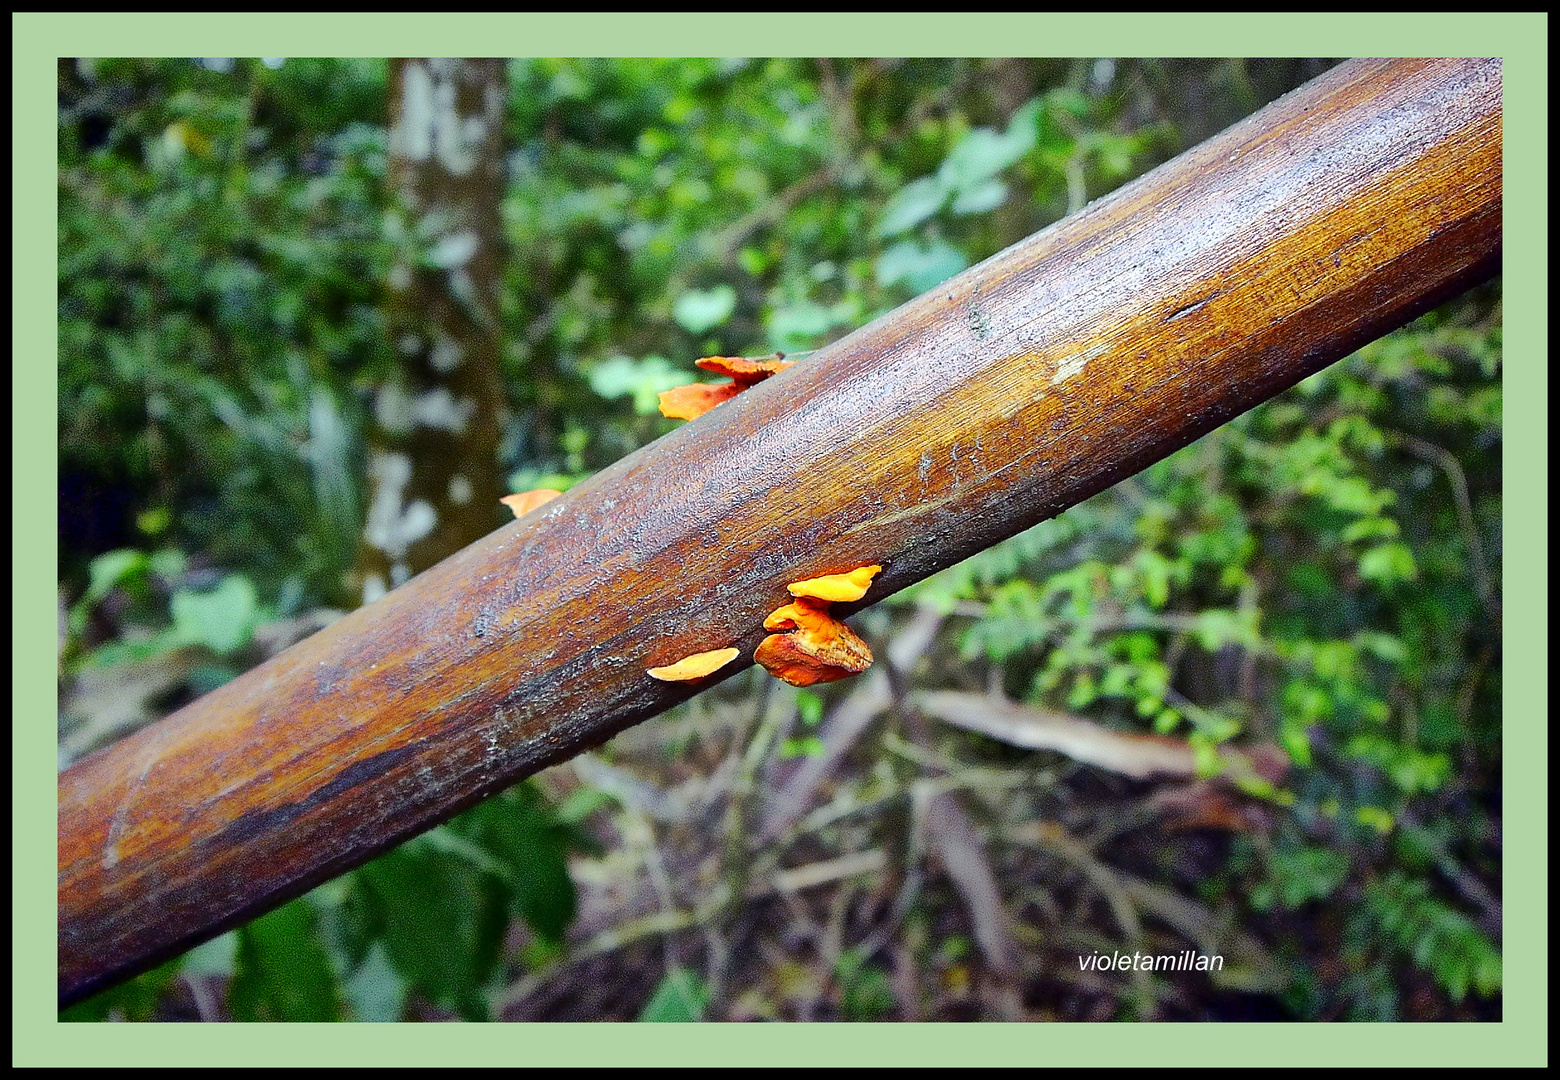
(696, 399)
(832, 587)
(694, 667)
(804, 614)
(524, 502)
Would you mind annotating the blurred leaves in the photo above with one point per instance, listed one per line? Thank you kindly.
(966, 175)
(438, 906)
(223, 619)
(697, 312)
(282, 973)
(220, 259)
(643, 380)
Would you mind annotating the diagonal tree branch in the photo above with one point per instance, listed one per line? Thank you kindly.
(1063, 364)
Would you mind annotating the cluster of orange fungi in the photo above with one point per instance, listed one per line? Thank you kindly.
(696, 399)
(684, 403)
(813, 646)
(809, 644)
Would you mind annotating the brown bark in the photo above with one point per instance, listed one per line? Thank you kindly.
(1024, 385)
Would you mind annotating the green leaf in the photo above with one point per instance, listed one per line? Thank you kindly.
(920, 266)
(1412, 771)
(525, 838)
(281, 972)
(865, 991)
(219, 956)
(113, 568)
(1370, 528)
(797, 326)
(531, 479)
(1294, 739)
(1217, 627)
(912, 204)
(983, 153)
(1205, 755)
(441, 920)
(681, 997)
(376, 993)
(643, 379)
(1376, 818)
(1304, 874)
(1438, 938)
(801, 746)
(697, 312)
(1382, 646)
(981, 198)
(1388, 564)
(581, 803)
(223, 619)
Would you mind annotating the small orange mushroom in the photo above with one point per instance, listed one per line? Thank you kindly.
(694, 667)
(524, 502)
(744, 371)
(696, 399)
(807, 656)
(813, 646)
(851, 586)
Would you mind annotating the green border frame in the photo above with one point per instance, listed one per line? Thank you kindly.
(1522, 39)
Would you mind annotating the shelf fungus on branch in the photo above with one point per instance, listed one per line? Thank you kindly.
(812, 646)
(694, 667)
(832, 587)
(696, 399)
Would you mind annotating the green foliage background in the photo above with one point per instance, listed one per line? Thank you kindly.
(1321, 574)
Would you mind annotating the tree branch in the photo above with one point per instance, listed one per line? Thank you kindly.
(1020, 387)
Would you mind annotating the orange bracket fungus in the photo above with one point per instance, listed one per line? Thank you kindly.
(526, 501)
(812, 645)
(831, 587)
(694, 667)
(696, 399)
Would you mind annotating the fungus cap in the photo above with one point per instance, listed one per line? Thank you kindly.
(694, 667)
(832, 587)
(744, 371)
(803, 658)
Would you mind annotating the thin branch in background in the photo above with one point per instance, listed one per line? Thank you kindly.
(206, 1005)
(775, 709)
(846, 723)
(914, 876)
(964, 857)
(1055, 838)
(723, 247)
(962, 852)
(1448, 464)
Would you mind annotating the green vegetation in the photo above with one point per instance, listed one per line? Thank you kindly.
(1316, 583)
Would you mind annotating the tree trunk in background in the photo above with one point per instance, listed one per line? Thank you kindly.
(433, 480)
